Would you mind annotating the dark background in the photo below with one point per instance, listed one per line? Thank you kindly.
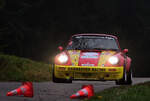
(35, 28)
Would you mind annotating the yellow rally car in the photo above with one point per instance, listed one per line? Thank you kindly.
(92, 57)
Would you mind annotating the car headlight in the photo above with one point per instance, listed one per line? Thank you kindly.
(63, 58)
(113, 60)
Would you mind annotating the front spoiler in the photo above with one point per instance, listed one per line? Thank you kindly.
(88, 72)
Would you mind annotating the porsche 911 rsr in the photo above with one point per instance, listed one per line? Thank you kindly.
(92, 57)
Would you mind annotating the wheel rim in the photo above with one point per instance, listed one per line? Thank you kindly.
(125, 76)
(131, 76)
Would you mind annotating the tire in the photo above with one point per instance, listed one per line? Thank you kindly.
(127, 75)
(123, 80)
(58, 80)
(127, 78)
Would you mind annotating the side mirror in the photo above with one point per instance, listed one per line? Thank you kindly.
(125, 51)
(60, 48)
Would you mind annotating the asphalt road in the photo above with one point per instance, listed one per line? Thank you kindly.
(49, 91)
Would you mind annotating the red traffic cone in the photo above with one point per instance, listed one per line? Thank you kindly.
(26, 90)
(86, 91)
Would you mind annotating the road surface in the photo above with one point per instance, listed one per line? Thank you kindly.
(49, 91)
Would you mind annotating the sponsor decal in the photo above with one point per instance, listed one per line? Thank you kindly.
(90, 55)
(87, 64)
(74, 56)
(104, 57)
(95, 57)
(89, 58)
(87, 69)
(78, 69)
(75, 53)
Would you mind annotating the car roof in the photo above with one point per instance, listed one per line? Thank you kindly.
(93, 34)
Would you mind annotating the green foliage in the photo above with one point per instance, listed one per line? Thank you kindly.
(13, 68)
(2, 3)
(139, 92)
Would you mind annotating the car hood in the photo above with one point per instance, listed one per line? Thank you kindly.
(89, 58)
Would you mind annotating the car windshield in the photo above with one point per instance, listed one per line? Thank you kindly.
(93, 43)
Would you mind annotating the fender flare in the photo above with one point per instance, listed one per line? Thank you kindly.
(127, 63)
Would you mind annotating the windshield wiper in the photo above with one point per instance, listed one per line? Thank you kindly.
(105, 49)
(99, 48)
(112, 49)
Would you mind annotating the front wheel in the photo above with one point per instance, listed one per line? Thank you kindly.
(127, 78)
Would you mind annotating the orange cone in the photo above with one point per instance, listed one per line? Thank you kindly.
(86, 91)
(26, 90)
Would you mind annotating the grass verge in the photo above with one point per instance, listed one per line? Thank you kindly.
(139, 92)
(14, 68)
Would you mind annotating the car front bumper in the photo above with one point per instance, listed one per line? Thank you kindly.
(88, 72)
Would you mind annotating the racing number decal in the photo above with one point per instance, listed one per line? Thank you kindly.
(74, 56)
(104, 57)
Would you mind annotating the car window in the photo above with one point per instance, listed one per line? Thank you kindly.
(93, 42)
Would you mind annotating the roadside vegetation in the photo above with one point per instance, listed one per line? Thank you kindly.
(14, 68)
(139, 92)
